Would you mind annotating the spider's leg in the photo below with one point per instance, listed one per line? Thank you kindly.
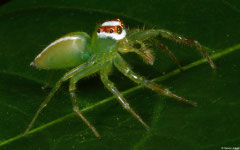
(53, 91)
(72, 89)
(49, 80)
(44, 104)
(126, 70)
(110, 86)
(180, 39)
(170, 54)
(148, 34)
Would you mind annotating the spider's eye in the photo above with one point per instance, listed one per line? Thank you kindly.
(111, 31)
(119, 29)
(98, 31)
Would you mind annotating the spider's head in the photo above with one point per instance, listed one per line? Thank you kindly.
(114, 29)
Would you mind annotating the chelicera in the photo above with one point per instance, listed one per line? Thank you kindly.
(99, 53)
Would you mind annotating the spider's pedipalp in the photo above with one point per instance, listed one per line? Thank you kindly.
(143, 51)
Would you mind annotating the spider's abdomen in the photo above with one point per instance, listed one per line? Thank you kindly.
(68, 51)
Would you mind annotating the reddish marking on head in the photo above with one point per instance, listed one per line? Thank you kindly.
(112, 28)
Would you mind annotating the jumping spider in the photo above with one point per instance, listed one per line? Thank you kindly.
(99, 54)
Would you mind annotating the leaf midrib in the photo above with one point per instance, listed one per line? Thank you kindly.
(161, 78)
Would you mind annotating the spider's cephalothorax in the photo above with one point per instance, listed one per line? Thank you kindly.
(99, 53)
(107, 37)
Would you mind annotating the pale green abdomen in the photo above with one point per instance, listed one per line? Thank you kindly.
(68, 51)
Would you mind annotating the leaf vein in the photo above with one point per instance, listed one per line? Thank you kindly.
(168, 75)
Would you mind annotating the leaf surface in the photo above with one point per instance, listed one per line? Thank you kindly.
(26, 27)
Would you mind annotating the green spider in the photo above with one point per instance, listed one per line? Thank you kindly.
(99, 54)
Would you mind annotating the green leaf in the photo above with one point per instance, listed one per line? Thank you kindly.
(26, 27)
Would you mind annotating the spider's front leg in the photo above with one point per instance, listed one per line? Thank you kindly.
(110, 86)
(126, 70)
(148, 34)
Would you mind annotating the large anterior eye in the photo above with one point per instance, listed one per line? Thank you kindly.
(119, 29)
(98, 31)
(111, 31)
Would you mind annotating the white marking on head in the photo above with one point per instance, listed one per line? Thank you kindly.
(111, 23)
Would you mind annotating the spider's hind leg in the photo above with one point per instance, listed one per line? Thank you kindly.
(47, 100)
(43, 105)
(126, 70)
(49, 80)
(54, 90)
